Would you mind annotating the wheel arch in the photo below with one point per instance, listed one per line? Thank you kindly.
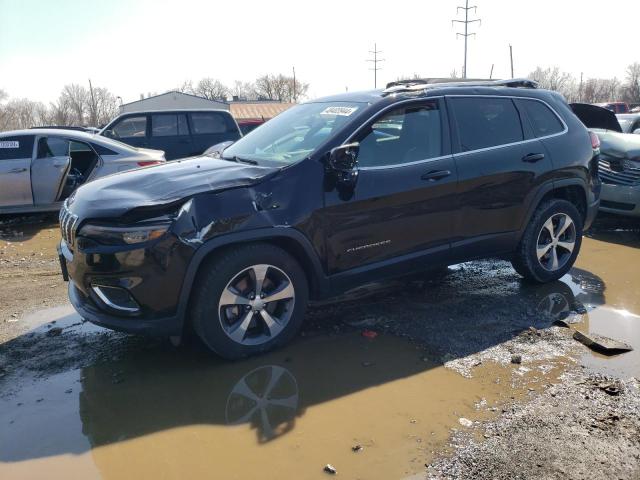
(572, 190)
(289, 239)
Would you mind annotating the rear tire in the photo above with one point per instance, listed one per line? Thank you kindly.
(249, 300)
(550, 243)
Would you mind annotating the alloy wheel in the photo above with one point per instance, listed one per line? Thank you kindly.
(256, 305)
(556, 241)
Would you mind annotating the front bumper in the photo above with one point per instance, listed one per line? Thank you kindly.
(152, 276)
(620, 199)
(88, 310)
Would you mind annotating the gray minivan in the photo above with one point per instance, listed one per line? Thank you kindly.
(179, 133)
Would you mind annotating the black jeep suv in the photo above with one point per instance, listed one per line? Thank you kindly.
(328, 195)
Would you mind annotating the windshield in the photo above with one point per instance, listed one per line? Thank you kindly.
(294, 134)
(625, 124)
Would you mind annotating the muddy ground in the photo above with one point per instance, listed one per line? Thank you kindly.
(461, 374)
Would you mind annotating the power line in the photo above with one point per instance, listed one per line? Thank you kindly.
(375, 62)
(466, 33)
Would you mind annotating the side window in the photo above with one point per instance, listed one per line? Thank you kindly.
(486, 122)
(100, 150)
(207, 123)
(130, 127)
(165, 125)
(12, 148)
(409, 134)
(543, 121)
(53, 147)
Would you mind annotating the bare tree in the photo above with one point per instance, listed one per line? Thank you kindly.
(186, 87)
(60, 112)
(552, 78)
(280, 87)
(78, 99)
(632, 83)
(244, 90)
(212, 89)
(102, 106)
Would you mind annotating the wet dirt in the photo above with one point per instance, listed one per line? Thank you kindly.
(463, 363)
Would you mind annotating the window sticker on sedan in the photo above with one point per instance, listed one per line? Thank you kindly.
(10, 144)
(342, 111)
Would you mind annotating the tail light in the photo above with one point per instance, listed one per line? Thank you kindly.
(595, 141)
(146, 163)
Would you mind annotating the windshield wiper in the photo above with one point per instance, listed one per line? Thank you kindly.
(238, 159)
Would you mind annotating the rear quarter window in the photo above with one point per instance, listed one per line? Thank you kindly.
(485, 122)
(543, 121)
(19, 146)
(211, 122)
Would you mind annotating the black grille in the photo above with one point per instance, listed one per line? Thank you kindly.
(68, 224)
(619, 172)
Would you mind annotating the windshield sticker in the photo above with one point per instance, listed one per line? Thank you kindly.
(342, 111)
(10, 144)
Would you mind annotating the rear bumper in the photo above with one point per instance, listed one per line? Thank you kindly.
(620, 199)
(89, 311)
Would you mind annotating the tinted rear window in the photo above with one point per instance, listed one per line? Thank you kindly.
(210, 122)
(543, 121)
(20, 146)
(167, 125)
(486, 122)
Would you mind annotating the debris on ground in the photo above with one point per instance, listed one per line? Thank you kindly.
(357, 448)
(370, 334)
(328, 468)
(54, 332)
(465, 422)
(517, 359)
(602, 344)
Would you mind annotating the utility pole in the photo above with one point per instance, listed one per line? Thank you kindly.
(511, 56)
(466, 33)
(94, 113)
(491, 73)
(375, 62)
(295, 97)
(580, 88)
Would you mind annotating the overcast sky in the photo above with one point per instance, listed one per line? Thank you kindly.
(134, 47)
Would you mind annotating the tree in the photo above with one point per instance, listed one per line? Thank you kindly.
(102, 107)
(280, 87)
(552, 78)
(212, 89)
(78, 100)
(244, 90)
(632, 84)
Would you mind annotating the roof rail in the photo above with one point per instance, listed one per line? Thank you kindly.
(424, 84)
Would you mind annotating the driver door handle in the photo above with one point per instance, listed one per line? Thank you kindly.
(435, 175)
(17, 170)
(533, 157)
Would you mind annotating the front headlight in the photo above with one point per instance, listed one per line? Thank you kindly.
(123, 235)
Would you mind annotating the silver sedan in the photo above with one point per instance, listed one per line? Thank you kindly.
(40, 168)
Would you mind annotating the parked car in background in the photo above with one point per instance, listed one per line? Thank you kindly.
(247, 125)
(615, 107)
(629, 122)
(179, 133)
(619, 162)
(39, 168)
(328, 195)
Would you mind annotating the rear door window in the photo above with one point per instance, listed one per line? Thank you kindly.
(209, 122)
(165, 125)
(485, 122)
(53, 147)
(543, 121)
(20, 146)
(131, 127)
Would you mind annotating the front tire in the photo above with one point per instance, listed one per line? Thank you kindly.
(550, 243)
(249, 300)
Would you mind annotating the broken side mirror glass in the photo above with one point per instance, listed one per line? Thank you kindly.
(343, 160)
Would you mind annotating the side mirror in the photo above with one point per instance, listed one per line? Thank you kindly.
(109, 134)
(343, 160)
(636, 131)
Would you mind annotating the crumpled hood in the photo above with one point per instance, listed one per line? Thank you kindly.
(114, 195)
(619, 145)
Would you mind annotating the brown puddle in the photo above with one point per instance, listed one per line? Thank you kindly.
(283, 415)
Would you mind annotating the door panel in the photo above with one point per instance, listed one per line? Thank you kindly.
(404, 197)
(15, 176)
(49, 169)
(499, 166)
(170, 133)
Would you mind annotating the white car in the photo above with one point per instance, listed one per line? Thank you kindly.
(40, 168)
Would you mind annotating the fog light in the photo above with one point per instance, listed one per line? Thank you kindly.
(116, 298)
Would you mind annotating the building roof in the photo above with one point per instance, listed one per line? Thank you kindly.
(257, 110)
(175, 93)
